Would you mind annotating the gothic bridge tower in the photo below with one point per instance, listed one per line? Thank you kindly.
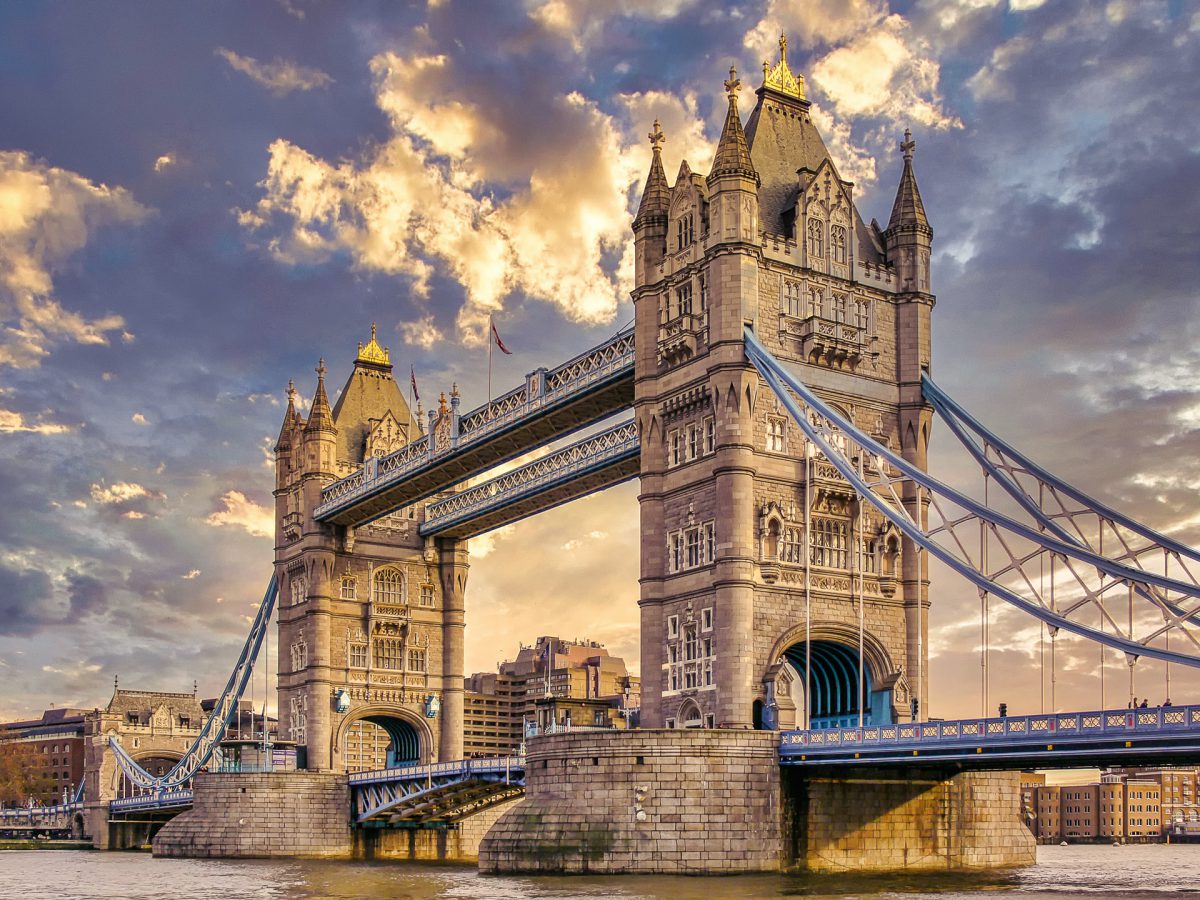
(741, 627)
(370, 618)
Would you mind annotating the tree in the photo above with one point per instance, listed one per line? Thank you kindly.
(21, 774)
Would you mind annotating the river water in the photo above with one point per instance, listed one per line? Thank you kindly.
(1094, 871)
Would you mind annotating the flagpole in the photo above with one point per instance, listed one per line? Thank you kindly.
(491, 328)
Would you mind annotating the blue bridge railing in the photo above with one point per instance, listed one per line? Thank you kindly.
(1065, 733)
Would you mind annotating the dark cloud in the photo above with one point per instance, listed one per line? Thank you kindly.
(25, 599)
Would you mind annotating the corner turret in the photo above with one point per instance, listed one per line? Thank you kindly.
(650, 224)
(908, 237)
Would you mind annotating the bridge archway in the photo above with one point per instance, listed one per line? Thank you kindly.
(833, 660)
(390, 736)
(156, 762)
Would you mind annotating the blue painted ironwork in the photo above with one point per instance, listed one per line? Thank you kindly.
(442, 792)
(961, 520)
(600, 451)
(198, 755)
(1060, 737)
(544, 390)
(176, 800)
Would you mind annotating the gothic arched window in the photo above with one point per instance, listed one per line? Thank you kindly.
(837, 243)
(816, 238)
(388, 587)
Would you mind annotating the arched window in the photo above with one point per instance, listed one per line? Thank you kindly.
(815, 302)
(299, 589)
(837, 243)
(816, 238)
(388, 587)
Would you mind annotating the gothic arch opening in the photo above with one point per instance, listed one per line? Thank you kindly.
(835, 690)
(382, 739)
(155, 762)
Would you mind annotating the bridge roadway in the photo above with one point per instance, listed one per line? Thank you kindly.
(550, 405)
(1156, 736)
(441, 793)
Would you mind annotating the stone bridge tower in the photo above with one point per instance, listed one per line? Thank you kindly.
(370, 618)
(741, 627)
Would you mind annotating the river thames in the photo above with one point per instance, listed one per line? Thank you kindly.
(1093, 871)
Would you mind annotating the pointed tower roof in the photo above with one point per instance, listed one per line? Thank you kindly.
(320, 418)
(908, 208)
(733, 153)
(289, 420)
(656, 196)
(369, 394)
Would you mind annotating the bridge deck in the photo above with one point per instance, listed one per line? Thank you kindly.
(1054, 740)
(593, 464)
(549, 406)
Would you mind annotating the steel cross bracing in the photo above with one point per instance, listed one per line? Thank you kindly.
(1065, 511)
(550, 405)
(201, 751)
(592, 464)
(1080, 580)
(1050, 739)
(442, 792)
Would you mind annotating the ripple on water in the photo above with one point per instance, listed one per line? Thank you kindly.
(1092, 871)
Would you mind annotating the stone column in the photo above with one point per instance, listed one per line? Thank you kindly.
(452, 573)
(319, 685)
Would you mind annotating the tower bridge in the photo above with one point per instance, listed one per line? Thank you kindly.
(779, 379)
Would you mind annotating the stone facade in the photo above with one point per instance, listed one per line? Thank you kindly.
(893, 819)
(727, 491)
(643, 801)
(370, 618)
(274, 814)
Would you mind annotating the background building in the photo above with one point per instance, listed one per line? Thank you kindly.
(1124, 805)
(56, 744)
(554, 683)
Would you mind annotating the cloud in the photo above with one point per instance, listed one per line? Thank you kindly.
(884, 72)
(11, 422)
(87, 594)
(163, 162)
(192, 573)
(422, 333)
(811, 23)
(138, 419)
(48, 214)
(278, 76)
(581, 21)
(24, 596)
(241, 512)
(122, 492)
(462, 190)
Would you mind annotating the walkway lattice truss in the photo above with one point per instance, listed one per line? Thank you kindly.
(1042, 569)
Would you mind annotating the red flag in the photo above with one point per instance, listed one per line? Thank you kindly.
(412, 374)
(496, 337)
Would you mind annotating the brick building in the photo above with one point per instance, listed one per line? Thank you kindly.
(1117, 808)
(56, 740)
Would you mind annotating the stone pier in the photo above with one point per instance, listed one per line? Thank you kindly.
(269, 814)
(695, 802)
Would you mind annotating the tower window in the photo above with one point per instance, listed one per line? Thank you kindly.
(703, 291)
(676, 441)
(358, 656)
(816, 302)
(693, 442)
(427, 595)
(793, 298)
(388, 653)
(389, 587)
(299, 590)
(710, 435)
(349, 588)
(684, 297)
(416, 660)
(816, 238)
(776, 434)
(685, 231)
(837, 243)
(830, 543)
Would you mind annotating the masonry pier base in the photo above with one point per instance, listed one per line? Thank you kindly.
(717, 802)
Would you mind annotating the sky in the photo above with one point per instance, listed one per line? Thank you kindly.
(199, 200)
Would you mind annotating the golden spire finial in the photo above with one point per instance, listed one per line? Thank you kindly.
(371, 352)
(657, 138)
(779, 77)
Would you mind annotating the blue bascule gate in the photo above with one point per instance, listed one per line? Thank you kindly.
(775, 399)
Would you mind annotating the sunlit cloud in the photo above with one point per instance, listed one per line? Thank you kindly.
(11, 422)
(47, 215)
(241, 512)
(278, 76)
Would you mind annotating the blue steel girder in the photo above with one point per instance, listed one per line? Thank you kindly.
(582, 468)
(550, 405)
(440, 792)
(1063, 740)
(957, 530)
